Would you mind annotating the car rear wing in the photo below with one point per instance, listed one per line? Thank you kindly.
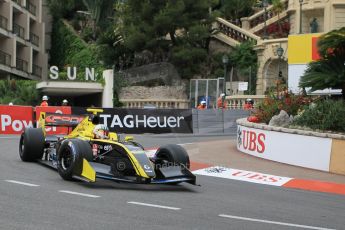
(58, 119)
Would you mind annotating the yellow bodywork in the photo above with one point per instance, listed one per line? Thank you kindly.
(84, 131)
(88, 172)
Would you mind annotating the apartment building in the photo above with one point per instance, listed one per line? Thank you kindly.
(22, 40)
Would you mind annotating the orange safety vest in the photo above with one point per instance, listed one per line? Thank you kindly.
(201, 107)
(220, 104)
(44, 103)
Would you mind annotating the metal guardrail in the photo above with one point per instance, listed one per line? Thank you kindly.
(21, 65)
(34, 39)
(36, 70)
(5, 58)
(3, 22)
(18, 30)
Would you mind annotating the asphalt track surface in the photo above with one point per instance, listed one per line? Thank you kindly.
(35, 197)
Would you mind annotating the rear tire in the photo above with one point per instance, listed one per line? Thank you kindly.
(31, 144)
(174, 154)
(70, 157)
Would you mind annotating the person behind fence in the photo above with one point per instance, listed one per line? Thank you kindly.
(221, 103)
(44, 101)
(64, 102)
(248, 105)
(202, 105)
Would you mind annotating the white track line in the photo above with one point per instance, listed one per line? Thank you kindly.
(153, 205)
(79, 194)
(22, 183)
(274, 222)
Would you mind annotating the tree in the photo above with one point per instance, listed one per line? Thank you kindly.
(99, 10)
(173, 30)
(329, 71)
(278, 7)
(236, 9)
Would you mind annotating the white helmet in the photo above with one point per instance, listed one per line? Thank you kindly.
(222, 94)
(64, 101)
(101, 131)
(203, 102)
(45, 98)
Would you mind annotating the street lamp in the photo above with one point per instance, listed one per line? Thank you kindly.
(300, 16)
(225, 60)
(280, 52)
(265, 4)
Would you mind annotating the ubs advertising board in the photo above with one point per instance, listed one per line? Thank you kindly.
(144, 120)
(286, 148)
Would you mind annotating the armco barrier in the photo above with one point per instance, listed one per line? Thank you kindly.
(321, 151)
(14, 119)
(217, 120)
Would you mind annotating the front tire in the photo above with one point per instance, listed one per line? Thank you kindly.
(174, 154)
(31, 144)
(70, 157)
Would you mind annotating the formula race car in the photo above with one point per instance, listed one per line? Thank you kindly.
(84, 155)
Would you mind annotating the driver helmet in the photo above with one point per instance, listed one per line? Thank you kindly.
(101, 131)
(45, 98)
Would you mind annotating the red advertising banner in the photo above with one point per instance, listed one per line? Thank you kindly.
(54, 109)
(14, 119)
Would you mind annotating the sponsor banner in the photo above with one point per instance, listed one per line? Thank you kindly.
(144, 120)
(14, 119)
(54, 109)
(306, 151)
(303, 48)
(242, 175)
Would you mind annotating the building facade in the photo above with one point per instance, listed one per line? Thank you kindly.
(22, 40)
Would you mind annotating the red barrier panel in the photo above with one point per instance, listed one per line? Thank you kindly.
(54, 109)
(14, 119)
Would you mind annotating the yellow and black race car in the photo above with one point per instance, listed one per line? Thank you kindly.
(80, 155)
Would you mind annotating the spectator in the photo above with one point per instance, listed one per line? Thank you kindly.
(44, 101)
(202, 105)
(248, 105)
(64, 102)
(221, 103)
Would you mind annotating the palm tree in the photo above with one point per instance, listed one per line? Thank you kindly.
(329, 71)
(99, 10)
(278, 7)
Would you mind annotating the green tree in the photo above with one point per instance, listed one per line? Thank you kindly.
(278, 7)
(329, 71)
(178, 30)
(244, 58)
(236, 9)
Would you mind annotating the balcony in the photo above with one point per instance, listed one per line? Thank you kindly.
(21, 65)
(19, 2)
(3, 22)
(18, 30)
(31, 8)
(34, 39)
(5, 58)
(36, 70)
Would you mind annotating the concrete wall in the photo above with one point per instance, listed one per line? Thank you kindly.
(216, 120)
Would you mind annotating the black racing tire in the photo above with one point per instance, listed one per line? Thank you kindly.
(174, 154)
(70, 156)
(31, 144)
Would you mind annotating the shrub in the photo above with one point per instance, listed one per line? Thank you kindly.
(282, 100)
(323, 115)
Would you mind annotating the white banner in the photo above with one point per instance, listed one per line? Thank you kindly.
(242, 175)
(306, 151)
(242, 86)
